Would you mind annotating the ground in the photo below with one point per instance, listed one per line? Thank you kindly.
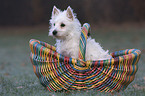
(16, 72)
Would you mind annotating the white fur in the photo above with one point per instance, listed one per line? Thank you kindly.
(67, 37)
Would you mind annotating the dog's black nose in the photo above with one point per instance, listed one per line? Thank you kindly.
(54, 32)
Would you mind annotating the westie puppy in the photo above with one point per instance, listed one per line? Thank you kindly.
(66, 28)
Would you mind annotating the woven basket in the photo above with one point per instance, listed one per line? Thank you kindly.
(57, 72)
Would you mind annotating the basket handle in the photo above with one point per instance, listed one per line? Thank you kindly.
(83, 40)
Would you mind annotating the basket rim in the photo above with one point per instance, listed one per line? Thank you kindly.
(116, 54)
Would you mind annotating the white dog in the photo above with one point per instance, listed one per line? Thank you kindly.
(66, 28)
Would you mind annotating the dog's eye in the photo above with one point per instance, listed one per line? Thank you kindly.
(54, 24)
(62, 25)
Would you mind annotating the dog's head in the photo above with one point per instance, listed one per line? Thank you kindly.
(62, 23)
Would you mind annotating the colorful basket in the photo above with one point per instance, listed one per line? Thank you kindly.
(57, 72)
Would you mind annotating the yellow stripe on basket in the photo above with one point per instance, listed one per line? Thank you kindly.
(80, 68)
(125, 71)
(78, 87)
(58, 59)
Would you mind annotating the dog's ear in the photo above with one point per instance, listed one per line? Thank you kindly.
(55, 11)
(70, 13)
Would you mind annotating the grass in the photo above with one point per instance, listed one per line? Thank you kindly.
(16, 73)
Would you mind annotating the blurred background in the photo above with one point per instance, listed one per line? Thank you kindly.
(115, 24)
(34, 12)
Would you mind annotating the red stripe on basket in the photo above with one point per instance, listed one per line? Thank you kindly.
(41, 51)
(35, 48)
